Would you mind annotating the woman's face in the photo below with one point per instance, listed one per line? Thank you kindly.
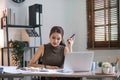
(55, 39)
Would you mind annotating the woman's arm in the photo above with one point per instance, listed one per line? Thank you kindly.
(69, 46)
(35, 58)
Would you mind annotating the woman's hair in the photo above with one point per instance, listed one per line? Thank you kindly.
(57, 29)
(60, 30)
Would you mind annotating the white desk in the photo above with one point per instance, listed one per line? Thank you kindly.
(11, 72)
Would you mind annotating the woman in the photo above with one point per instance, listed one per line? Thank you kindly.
(52, 53)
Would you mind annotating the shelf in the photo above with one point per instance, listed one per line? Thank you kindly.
(22, 26)
(34, 23)
(10, 48)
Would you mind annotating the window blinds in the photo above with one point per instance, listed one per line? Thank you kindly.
(105, 20)
(103, 24)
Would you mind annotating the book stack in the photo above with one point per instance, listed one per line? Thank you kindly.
(10, 16)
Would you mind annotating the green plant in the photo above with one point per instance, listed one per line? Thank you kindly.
(113, 64)
(18, 47)
(100, 64)
(18, 50)
(106, 65)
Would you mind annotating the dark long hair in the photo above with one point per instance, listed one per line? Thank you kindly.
(60, 30)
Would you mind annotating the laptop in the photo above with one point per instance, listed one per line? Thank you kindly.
(78, 61)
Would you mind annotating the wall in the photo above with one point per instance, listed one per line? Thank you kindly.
(71, 14)
(76, 22)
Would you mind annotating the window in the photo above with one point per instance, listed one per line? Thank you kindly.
(103, 24)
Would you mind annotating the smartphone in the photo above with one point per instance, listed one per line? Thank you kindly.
(72, 36)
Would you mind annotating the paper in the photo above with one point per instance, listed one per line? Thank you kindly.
(32, 70)
(11, 69)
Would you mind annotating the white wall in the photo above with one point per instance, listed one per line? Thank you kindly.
(53, 14)
(75, 14)
(71, 15)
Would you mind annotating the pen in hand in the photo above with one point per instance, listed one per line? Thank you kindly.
(72, 36)
(68, 40)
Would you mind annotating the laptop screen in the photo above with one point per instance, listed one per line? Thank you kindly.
(79, 61)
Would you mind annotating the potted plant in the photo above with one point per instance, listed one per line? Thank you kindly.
(106, 67)
(18, 50)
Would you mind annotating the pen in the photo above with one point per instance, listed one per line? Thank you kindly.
(72, 36)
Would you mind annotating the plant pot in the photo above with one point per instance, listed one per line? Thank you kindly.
(106, 70)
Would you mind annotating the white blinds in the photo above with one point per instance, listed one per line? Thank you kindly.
(105, 15)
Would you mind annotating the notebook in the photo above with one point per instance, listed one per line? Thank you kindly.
(78, 61)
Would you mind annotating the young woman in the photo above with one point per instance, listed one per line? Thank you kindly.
(52, 53)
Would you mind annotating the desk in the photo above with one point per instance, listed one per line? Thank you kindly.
(52, 74)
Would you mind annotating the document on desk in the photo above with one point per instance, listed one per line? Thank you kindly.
(32, 70)
(11, 69)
